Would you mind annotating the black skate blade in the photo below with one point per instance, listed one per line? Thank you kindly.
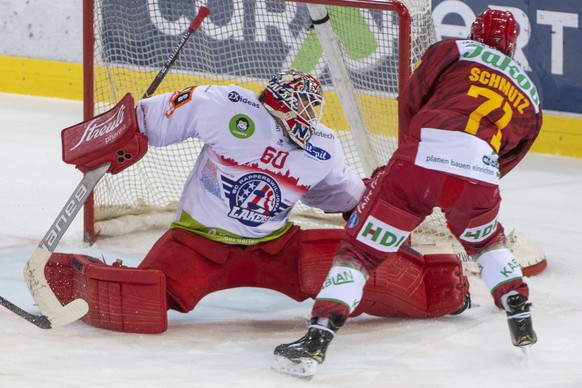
(302, 368)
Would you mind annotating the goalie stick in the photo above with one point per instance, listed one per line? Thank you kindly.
(53, 314)
(196, 22)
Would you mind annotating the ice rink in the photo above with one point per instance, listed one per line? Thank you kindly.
(227, 341)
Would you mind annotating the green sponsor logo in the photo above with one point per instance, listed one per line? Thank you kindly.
(380, 236)
(241, 126)
(508, 269)
(339, 279)
(480, 233)
(496, 60)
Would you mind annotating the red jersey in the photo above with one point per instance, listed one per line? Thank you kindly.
(468, 110)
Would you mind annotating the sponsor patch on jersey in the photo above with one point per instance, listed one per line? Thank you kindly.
(458, 153)
(253, 198)
(479, 233)
(318, 153)
(235, 97)
(494, 59)
(381, 236)
(241, 126)
(353, 221)
(178, 99)
(325, 135)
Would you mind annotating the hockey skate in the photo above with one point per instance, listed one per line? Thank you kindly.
(519, 321)
(301, 358)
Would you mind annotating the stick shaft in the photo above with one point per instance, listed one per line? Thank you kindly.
(194, 25)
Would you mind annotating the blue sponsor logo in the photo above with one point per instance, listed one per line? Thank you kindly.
(353, 221)
(491, 160)
(235, 97)
(317, 152)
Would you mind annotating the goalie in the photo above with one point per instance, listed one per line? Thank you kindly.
(262, 154)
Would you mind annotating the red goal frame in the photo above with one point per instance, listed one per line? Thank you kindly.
(404, 67)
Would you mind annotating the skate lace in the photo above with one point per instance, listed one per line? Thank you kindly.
(526, 314)
(320, 327)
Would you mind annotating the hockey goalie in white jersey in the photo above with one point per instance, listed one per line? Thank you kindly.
(261, 155)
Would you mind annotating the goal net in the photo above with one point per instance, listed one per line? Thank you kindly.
(360, 50)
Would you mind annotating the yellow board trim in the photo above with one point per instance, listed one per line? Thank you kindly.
(37, 77)
(561, 135)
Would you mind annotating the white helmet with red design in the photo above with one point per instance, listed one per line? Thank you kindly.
(297, 100)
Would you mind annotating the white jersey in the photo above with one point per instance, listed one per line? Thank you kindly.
(249, 175)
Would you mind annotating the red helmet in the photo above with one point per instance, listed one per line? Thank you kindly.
(497, 29)
(295, 98)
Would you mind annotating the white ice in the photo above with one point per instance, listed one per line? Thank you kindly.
(227, 341)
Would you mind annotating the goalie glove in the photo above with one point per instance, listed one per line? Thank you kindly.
(111, 137)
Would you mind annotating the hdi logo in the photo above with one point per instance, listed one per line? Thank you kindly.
(381, 236)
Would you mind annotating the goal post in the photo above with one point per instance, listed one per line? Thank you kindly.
(362, 51)
(245, 43)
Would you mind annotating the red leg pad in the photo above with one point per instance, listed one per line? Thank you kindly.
(122, 299)
(407, 284)
(316, 254)
(411, 285)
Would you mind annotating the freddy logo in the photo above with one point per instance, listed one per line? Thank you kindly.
(96, 129)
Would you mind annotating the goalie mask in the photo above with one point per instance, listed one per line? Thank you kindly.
(497, 29)
(297, 100)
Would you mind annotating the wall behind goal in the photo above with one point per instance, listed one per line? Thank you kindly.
(41, 54)
(549, 48)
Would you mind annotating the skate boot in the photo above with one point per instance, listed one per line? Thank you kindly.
(300, 358)
(519, 320)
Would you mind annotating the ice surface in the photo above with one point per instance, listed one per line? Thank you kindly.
(227, 341)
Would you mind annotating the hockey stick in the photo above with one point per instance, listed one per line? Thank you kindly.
(53, 313)
(39, 320)
(202, 13)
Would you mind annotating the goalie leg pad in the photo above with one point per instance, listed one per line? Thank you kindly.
(318, 247)
(122, 299)
(411, 285)
(407, 284)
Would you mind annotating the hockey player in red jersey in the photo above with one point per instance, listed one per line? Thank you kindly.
(468, 114)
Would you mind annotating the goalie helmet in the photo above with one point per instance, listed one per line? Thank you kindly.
(296, 99)
(497, 29)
